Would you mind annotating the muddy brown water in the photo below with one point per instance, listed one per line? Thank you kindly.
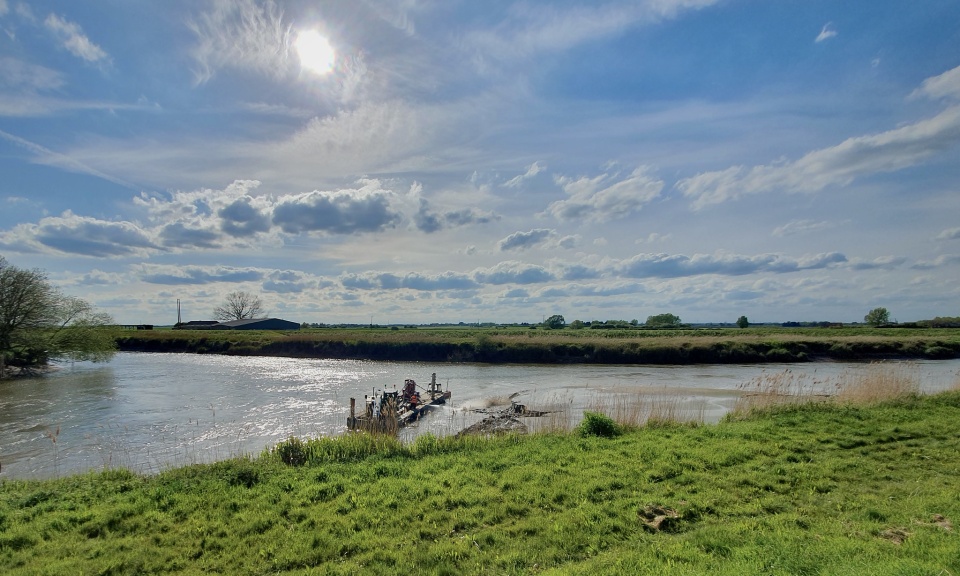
(149, 412)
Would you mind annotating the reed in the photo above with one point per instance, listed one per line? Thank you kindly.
(874, 383)
(879, 382)
(648, 408)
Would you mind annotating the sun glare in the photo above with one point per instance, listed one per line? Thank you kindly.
(315, 52)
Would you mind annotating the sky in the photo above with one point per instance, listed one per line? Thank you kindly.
(421, 161)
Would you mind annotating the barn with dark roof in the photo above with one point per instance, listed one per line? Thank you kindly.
(258, 324)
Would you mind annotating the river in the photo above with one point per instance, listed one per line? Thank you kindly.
(150, 412)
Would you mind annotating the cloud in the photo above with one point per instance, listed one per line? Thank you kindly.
(243, 35)
(74, 40)
(605, 198)
(569, 242)
(578, 272)
(525, 240)
(241, 219)
(527, 30)
(826, 32)
(428, 221)
(50, 158)
(946, 85)
(177, 235)
(679, 266)
(881, 263)
(30, 78)
(196, 275)
(532, 170)
(366, 209)
(803, 227)
(835, 166)
(72, 234)
(413, 281)
(949, 234)
(938, 262)
(289, 282)
(513, 272)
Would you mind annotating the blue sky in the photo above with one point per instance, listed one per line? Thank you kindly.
(487, 161)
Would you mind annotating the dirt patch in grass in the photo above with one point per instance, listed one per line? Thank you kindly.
(657, 518)
(896, 535)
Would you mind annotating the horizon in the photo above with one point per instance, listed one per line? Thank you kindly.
(420, 162)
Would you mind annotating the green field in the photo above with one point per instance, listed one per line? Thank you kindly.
(538, 345)
(810, 488)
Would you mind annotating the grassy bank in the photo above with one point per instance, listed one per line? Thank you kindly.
(520, 345)
(808, 488)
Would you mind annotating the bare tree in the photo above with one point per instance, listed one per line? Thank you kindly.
(239, 306)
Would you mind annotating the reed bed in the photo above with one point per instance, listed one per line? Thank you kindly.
(874, 383)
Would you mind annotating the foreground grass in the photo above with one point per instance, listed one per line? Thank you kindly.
(801, 489)
(537, 345)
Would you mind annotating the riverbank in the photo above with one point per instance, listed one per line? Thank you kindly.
(814, 488)
(567, 346)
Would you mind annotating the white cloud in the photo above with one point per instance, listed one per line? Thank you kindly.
(532, 171)
(938, 262)
(26, 77)
(365, 209)
(835, 166)
(66, 162)
(4, 8)
(604, 198)
(75, 40)
(244, 35)
(826, 32)
(881, 263)
(946, 85)
(513, 272)
(803, 227)
(187, 275)
(79, 235)
(679, 265)
(525, 240)
(531, 29)
(949, 234)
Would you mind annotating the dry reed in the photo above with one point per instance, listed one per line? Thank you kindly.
(646, 408)
(872, 384)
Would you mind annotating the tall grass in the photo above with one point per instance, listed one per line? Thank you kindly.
(874, 383)
(649, 408)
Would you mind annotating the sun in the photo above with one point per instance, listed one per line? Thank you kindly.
(316, 53)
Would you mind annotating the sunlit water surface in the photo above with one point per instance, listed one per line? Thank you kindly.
(149, 412)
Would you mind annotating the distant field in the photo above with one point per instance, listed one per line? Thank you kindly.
(538, 345)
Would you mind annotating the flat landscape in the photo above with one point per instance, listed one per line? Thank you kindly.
(538, 345)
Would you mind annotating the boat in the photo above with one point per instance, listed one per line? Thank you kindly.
(390, 410)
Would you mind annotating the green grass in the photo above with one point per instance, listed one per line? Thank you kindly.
(537, 345)
(820, 488)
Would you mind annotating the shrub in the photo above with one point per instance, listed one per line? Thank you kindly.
(596, 424)
(292, 451)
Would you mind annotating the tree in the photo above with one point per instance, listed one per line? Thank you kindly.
(663, 321)
(877, 317)
(38, 323)
(555, 322)
(239, 306)
(742, 322)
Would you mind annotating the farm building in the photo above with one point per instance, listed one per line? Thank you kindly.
(258, 324)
